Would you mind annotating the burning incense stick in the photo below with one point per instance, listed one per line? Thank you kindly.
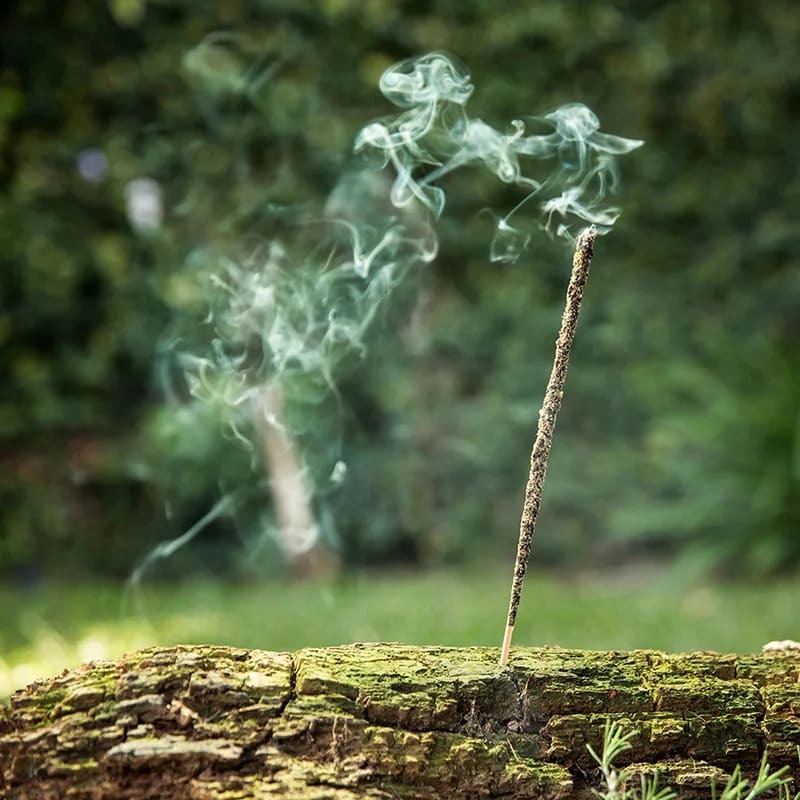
(581, 262)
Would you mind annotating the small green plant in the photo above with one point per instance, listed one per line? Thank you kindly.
(615, 742)
(739, 788)
(615, 787)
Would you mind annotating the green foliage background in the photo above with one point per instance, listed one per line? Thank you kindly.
(680, 435)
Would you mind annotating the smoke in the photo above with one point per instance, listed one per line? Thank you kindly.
(435, 136)
(281, 315)
(286, 320)
(284, 324)
(282, 312)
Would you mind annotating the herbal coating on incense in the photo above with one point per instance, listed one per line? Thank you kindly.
(581, 263)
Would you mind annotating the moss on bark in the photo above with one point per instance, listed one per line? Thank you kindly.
(388, 721)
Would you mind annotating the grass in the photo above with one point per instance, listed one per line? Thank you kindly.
(44, 631)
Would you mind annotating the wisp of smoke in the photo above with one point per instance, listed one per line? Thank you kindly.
(285, 318)
(436, 134)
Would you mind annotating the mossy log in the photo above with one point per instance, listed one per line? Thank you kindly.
(392, 721)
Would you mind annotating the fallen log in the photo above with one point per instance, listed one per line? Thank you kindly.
(392, 721)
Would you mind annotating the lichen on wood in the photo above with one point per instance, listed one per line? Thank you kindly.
(392, 721)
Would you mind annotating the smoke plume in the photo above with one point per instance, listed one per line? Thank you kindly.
(567, 172)
(288, 318)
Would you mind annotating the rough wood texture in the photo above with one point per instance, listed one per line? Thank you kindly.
(390, 721)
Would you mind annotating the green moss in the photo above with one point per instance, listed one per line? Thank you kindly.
(708, 695)
(39, 706)
(397, 717)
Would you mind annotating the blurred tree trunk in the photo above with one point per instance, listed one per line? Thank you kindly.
(387, 721)
(298, 530)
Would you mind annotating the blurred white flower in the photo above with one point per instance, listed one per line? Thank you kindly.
(143, 204)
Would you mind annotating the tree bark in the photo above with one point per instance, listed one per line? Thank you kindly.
(308, 557)
(392, 721)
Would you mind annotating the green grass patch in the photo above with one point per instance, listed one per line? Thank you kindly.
(43, 632)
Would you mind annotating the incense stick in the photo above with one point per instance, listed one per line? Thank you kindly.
(581, 263)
